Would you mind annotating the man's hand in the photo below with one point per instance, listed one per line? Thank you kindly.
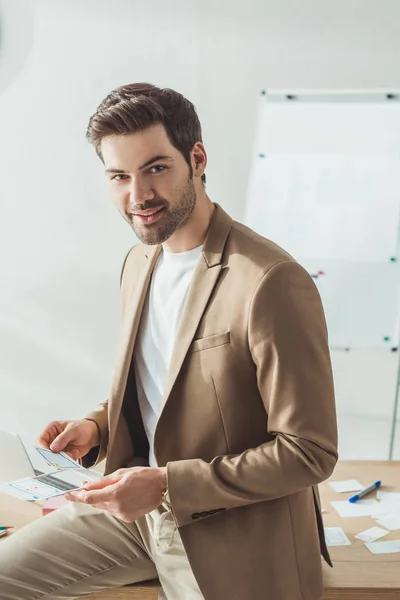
(127, 494)
(75, 438)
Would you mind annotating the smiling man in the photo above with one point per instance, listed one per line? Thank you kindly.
(221, 417)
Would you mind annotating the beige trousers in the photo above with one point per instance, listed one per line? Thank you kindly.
(77, 550)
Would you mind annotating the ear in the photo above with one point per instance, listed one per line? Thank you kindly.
(198, 159)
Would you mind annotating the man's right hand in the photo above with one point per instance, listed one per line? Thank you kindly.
(75, 438)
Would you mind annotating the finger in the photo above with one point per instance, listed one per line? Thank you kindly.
(43, 442)
(92, 497)
(78, 495)
(105, 481)
(61, 441)
(51, 431)
(99, 496)
(73, 497)
(46, 436)
(72, 494)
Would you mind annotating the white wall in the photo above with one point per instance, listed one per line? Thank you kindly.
(62, 242)
(16, 38)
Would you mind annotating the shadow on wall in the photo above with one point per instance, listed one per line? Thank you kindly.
(16, 38)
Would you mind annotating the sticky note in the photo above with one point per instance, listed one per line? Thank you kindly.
(335, 536)
(389, 547)
(372, 534)
(349, 485)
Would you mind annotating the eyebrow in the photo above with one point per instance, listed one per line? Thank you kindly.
(145, 165)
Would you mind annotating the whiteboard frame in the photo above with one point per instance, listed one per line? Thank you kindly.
(379, 95)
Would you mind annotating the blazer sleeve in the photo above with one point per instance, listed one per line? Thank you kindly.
(288, 341)
(100, 416)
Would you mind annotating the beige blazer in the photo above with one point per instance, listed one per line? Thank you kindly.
(248, 424)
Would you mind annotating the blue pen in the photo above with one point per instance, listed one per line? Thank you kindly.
(365, 491)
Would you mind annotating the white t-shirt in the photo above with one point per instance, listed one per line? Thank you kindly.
(156, 336)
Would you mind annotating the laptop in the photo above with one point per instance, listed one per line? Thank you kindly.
(16, 464)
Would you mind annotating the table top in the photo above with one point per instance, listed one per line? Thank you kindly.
(362, 574)
(17, 513)
(357, 574)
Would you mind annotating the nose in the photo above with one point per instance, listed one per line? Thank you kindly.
(140, 192)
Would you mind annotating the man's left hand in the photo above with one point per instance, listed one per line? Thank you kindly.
(127, 493)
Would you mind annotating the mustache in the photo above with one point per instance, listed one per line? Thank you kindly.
(151, 205)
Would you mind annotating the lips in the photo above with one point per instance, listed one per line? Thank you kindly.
(149, 216)
(148, 212)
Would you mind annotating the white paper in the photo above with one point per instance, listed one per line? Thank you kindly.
(380, 494)
(348, 485)
(390, 508)
(372, 534)
(59, 460)
(361, 508)
(390, 496)
(335, 536)
(384, 547)
(32, 489)
(391, 523)
(5, 487)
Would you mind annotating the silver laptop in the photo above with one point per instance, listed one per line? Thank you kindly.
(15, 463)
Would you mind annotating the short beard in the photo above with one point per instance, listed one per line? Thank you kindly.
(172, 218)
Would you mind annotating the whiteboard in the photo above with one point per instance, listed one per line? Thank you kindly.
(360, 302)
(335, 207)
(325, 186)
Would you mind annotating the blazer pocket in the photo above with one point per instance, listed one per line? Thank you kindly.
(211, 341)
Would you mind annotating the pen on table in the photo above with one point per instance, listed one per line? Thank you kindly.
(5, 527)
(365, 491)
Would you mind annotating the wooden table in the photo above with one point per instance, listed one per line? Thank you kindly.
(357, 574)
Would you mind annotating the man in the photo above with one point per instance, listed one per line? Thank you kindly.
(221, 418)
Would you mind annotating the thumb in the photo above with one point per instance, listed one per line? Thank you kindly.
(103, 482)
(61, 441)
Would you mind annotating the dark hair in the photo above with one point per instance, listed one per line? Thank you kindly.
(136, 106)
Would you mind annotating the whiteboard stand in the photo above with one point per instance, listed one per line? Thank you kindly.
(397, 392)
(395, 411)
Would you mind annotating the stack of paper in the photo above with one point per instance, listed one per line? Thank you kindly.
(361, 508)
(372, 534)
(335, 536)
(385, 509)
(389, 547)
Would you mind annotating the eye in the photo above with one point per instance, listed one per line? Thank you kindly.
(159, 169)
(119, 175)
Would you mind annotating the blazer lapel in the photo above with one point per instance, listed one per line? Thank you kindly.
(134, 295)
(204, 279)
